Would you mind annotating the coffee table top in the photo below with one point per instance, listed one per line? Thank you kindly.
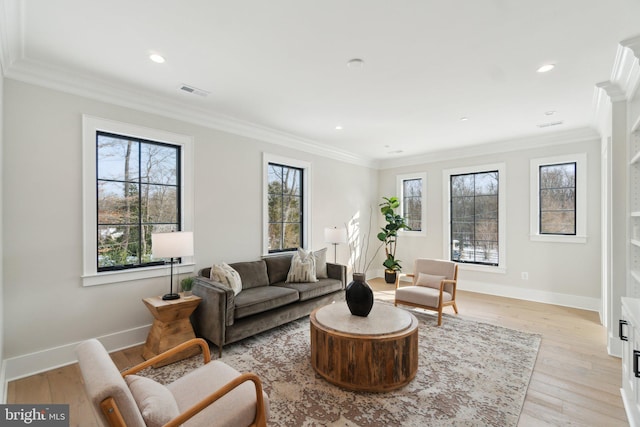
(382, 320)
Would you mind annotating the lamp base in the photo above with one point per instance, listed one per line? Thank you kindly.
(167, 297)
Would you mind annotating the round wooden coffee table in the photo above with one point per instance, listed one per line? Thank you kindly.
(374, 353)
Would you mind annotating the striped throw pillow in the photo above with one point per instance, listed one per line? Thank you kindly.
(303, 267)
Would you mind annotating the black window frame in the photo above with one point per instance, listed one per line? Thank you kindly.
(301, 207)
(451, 220)
(575, 198)
(178, 187)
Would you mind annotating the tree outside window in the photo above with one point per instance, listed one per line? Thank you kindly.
(557, 199)
(285, 206)
(474, 218)
(138, 192)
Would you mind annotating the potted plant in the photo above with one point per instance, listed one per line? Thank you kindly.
(187, 284)
(389, 236)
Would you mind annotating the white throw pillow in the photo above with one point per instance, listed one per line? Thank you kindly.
(321, 263)
(226, 275)
(155, 402)
(303, 267)
(429, 280)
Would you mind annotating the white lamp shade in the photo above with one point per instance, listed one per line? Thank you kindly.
(335, 235)
(172, 245)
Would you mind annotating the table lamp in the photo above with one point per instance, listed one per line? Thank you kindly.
(172, 245)
(335, 235)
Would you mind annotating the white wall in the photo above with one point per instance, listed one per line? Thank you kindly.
(47, 308)
(560, 273)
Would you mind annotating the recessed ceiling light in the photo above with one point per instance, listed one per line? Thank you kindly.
(545, 68)
(159, 59)
(549, 113)
(355, 63)
(464, 119)
(338, 127)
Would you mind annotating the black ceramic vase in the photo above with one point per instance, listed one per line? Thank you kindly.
(359, 296)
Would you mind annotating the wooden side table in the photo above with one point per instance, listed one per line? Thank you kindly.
(171, 326)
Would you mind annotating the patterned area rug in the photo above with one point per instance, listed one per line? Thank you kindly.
(469, 374)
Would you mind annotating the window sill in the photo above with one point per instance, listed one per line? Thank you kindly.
(405, 233)
(558, 238)
(108, 277)
(482, 268)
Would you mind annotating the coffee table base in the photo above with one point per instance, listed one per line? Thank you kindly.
(365, 362)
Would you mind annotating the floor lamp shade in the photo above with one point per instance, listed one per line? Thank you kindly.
(172, 245)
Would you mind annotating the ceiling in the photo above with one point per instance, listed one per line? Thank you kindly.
(280, 68)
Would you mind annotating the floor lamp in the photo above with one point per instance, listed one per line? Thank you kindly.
(335, 235)
(172, 245)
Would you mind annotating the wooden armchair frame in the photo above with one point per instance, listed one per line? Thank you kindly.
(112, 413)
(441, 303)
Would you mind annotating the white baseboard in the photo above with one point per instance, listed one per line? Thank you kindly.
(565, 300)
(44, 360)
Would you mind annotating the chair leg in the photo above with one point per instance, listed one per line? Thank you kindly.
(440, 317)
(455, 307)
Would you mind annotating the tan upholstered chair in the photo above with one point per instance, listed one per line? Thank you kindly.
(213, 394)
(433, 286)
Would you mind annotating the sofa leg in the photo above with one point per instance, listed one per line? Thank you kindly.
(220, 351)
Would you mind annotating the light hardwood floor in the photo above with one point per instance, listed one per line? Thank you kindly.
(574, 383)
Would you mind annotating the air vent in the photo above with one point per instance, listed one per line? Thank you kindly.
(194, 90)
(547, 125)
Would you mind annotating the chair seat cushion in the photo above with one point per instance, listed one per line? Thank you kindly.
(421, 295)
(155, 401)
(257, 300)
(237, 408)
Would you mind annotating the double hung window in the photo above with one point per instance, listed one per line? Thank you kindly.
(138, 192)
(412, 194)
(475, 216)
(559, 198)
(285, 204)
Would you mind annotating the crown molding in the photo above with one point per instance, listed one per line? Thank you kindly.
(10, 31)
(623, 85)
(508, 145)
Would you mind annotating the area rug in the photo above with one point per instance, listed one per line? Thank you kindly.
(469, 374)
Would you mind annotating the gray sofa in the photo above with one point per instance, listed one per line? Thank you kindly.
(266, 300)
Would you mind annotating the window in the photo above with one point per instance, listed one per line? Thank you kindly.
(558, 198)
(412, 194)
(134, 183)
(286, 208)
(138, 192)
(475, 211)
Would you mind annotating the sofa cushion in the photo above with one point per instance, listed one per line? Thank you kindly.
(312, 290)
(263, 298)
(321, 263)
(278, 267)
(252, 273)
(303, 267)
(226, 275)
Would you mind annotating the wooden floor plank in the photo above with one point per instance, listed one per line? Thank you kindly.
(574, 382)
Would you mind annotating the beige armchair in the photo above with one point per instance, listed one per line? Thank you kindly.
(433, 286)
(213, 394)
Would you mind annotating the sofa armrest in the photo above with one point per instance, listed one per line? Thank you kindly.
(215, 311)
(337, 271)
